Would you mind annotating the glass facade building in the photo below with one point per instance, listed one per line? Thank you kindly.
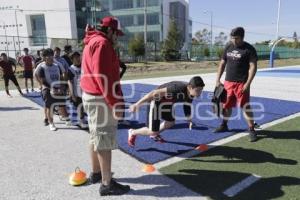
(131, 16)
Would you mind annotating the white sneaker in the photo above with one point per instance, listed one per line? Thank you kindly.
(52, 127)
(68, 123)
(64, 118)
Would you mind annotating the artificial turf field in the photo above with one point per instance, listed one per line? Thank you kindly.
(275, 158)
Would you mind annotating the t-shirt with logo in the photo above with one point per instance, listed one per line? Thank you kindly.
(7, 67)
(27, 61)
(51, 74)
(74, 75)
(177, 93)
(237, 61)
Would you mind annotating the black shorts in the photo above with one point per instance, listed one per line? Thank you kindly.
(49, 99)
(78, 101)
(157, 111)
(10, 77)
(28, 73)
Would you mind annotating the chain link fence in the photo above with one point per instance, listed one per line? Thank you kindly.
(13, 46)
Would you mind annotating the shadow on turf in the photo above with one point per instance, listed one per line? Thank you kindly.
(242, 155)
(162, 187)
(213, 183)
(17, 108)
(279, 134)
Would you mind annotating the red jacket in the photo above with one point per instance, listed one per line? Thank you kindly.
(100, 68)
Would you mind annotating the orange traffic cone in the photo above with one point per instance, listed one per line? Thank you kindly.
(148, 168)
(78, 177)
(202, 147)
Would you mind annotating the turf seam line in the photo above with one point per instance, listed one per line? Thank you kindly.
(242, 185)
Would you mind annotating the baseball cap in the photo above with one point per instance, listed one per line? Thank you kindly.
(113, 23)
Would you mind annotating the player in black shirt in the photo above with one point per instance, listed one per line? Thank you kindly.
(240, 61)
(161, 106)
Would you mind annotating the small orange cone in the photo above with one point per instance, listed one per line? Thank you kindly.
(148, 168)
(78, 177)
(202, 147)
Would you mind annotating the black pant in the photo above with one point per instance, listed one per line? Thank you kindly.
(12, 78)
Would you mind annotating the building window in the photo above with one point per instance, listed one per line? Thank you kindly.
(140, 3)
(152, 19)
(38, 30)
(103, 4)
(153, 36)
(126, 20)
(122, 4)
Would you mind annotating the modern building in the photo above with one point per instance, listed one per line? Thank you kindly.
(38, 24)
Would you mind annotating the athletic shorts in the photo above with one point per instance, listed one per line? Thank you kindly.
(102, 124)
(77, 102)
(28, 74)
(10, 77)
(50, 99)
(158, 111)
(235, 96)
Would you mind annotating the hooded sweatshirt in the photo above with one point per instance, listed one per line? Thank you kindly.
(100, 68)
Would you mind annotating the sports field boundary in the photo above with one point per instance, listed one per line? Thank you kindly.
(226, 140)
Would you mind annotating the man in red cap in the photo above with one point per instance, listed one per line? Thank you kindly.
(102, 100)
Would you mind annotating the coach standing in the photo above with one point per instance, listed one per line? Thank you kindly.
(102, 97)
(240, 61)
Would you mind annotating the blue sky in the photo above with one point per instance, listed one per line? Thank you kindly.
(258, 17)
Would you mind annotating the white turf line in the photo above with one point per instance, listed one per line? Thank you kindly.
(219, 143)
(240, 186)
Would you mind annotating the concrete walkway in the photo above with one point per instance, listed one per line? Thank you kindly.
(35, 162)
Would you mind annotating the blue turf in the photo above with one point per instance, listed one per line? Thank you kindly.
(289, 72)
(180, 139)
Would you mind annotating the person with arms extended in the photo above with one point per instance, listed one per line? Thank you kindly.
(8, 73)
(102, 98)
(240, 61)
(161, 106)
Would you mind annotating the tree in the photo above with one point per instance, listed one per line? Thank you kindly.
(221, 39)
(206, 52)
(266, 42)
(296, 43)
(136, 46)
(203, 36)
(173, 43)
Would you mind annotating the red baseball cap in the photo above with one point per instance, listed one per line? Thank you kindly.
(113, 23)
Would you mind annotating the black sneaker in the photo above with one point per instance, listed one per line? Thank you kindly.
(221, 128)
(113, 188)
(252, 135)
(94, 178)
(46, 122)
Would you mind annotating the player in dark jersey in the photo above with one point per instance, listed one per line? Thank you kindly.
(161, 106)
(8, 73)
(240, 61)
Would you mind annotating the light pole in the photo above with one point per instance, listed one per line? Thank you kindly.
(17, 26)
(278, 18)
(145, 28)
(4, 27)
(211, 31)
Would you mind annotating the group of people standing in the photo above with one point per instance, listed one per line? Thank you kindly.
(103, 100)
(96, 89)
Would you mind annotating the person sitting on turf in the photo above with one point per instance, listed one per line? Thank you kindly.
(161, 106)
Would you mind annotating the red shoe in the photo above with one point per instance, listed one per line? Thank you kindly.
(157, 138)
(131, 138)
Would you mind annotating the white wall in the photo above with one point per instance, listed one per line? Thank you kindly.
(60, 18)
